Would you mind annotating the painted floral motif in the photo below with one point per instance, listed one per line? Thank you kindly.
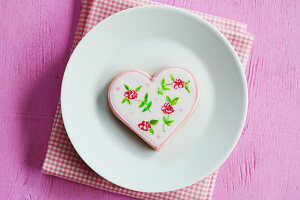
(130, 94)
(167, 108)
(164, 87)
(144, 103)
(178, 83)
(146, 126)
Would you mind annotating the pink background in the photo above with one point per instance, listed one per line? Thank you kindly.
(35, 42)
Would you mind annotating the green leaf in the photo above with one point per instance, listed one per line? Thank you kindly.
(168, 84)
(142, 104)
(172, 77)
(146, 97)
(169, 123)
(163, 83)
(153, 121)
(174, 101)
(124, 100)
(149, 105)
(187, 87)
(159, 91)
(138, 88)
(169, 99)
(188, 82)
(164, 119)
(151, 131)
(126, 87)
(128, 101)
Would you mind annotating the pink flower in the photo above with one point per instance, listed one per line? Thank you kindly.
(130, 94)
(144, 125)
(167, 108)
(178, 83)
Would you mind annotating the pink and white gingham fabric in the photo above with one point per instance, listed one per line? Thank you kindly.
(63, 161)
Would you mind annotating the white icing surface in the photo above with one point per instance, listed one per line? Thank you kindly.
(132, 115)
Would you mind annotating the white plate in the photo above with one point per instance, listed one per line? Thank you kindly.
(149, 38)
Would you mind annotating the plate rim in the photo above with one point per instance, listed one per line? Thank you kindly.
(239, 69)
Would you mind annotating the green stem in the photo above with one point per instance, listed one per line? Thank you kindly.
(139, 100)
(164, 127)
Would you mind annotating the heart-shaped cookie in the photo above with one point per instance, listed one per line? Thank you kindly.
(154, 108)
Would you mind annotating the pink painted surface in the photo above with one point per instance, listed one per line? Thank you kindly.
(35, 41)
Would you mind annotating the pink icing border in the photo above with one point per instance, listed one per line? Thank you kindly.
(157, 148)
